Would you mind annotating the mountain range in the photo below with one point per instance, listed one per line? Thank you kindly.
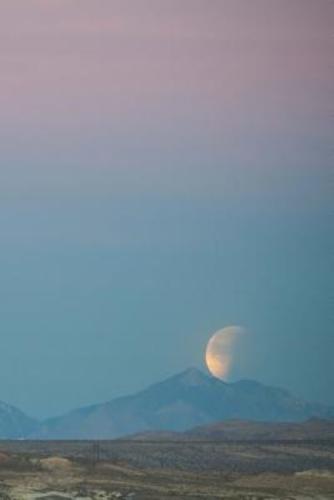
(243, 430)
(313, 429)
(14, 424)
(182, 402)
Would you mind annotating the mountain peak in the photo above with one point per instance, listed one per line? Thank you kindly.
(192, 377)
(14, 423)
(183, 401)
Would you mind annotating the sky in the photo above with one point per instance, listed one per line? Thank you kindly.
(165, 171)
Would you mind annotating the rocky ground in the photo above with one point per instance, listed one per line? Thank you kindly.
(83, 470)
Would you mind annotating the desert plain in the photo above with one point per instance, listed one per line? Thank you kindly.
(160, 469)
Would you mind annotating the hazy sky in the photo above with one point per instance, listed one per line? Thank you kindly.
(164, 172)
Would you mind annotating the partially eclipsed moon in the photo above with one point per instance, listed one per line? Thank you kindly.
(219, 351)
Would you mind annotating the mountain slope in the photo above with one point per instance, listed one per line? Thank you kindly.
(243, 430)
(181, 402)
(14, 424)
(314, 429)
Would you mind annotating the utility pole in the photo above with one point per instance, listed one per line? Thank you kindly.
(96, 452)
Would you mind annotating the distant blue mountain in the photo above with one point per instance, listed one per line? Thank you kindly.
(14, 424)
(179, 403)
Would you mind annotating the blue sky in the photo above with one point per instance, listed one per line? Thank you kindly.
(161, 178)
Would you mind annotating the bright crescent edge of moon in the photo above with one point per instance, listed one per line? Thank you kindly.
(219, 351)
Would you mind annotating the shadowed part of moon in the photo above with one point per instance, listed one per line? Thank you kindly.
(219, 351)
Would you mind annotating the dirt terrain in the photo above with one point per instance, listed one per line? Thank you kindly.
(85, 470)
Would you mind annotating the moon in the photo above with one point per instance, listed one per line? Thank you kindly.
(219, 350)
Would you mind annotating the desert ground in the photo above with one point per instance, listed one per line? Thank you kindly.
(31, 470)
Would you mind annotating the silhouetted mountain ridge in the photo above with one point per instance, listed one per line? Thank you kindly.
(230, 430)
(314, 429)
(181, 402)
(14, 424)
